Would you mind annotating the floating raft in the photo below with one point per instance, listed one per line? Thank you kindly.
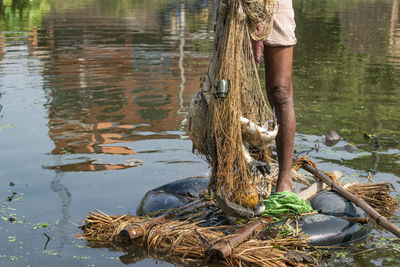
(187, 240)
(177, 225)
(332, 225)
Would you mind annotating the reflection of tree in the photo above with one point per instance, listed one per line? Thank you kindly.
(351, 72)
(181, 56)
(134, 254)
(2, 46)
(342, 76)
(108, 78)
(1, 107)
(65, 196)
(394, 38)
(365, 27)
(110, 68)
(22, 14)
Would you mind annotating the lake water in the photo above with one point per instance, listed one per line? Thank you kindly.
(93, 97)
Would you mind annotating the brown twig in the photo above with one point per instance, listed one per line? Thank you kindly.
(223, 248)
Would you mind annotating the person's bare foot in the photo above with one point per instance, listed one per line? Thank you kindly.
(284, 185)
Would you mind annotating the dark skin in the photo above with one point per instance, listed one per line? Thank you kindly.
(278, 72)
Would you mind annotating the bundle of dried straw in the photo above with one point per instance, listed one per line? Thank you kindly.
(186, 240)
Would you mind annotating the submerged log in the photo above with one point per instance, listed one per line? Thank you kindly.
(380, 220)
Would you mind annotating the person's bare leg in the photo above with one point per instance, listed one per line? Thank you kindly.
(278, 70)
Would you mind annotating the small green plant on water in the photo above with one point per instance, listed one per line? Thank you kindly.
(342, 255)
(39, 226)
(389, 259)
(8, 126)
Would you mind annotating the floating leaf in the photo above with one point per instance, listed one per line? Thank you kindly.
(389, 259)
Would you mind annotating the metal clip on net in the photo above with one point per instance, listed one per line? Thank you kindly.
(222, 89)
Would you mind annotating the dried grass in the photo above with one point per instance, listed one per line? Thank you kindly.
(377, 195)
(99, 226)
(186, 240)
(272, 252)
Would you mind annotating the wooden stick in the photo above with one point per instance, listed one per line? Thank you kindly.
(312, 190)
(380, 220)
(137, 230)
(362, 220)
(223, 248)
(132, 232)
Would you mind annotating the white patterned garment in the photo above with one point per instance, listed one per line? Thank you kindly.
(282, 33)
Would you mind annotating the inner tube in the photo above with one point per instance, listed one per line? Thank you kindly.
(327, 228)
(172, 195)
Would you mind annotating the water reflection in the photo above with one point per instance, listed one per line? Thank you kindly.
(2, 44)
(343, 71)
(118, 72)
(64, 224)
(366, 28)
(181, 27)
(394, 36)
(106, 79)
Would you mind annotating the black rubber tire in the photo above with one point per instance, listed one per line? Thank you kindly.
(172, 195)
(327, 228)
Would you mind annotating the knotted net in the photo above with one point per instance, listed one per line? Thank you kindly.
(233, 67)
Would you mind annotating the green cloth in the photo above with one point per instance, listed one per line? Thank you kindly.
(282, 203)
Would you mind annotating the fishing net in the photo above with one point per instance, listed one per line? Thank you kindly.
(232, 88)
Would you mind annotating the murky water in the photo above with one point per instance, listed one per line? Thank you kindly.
(93, 96)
